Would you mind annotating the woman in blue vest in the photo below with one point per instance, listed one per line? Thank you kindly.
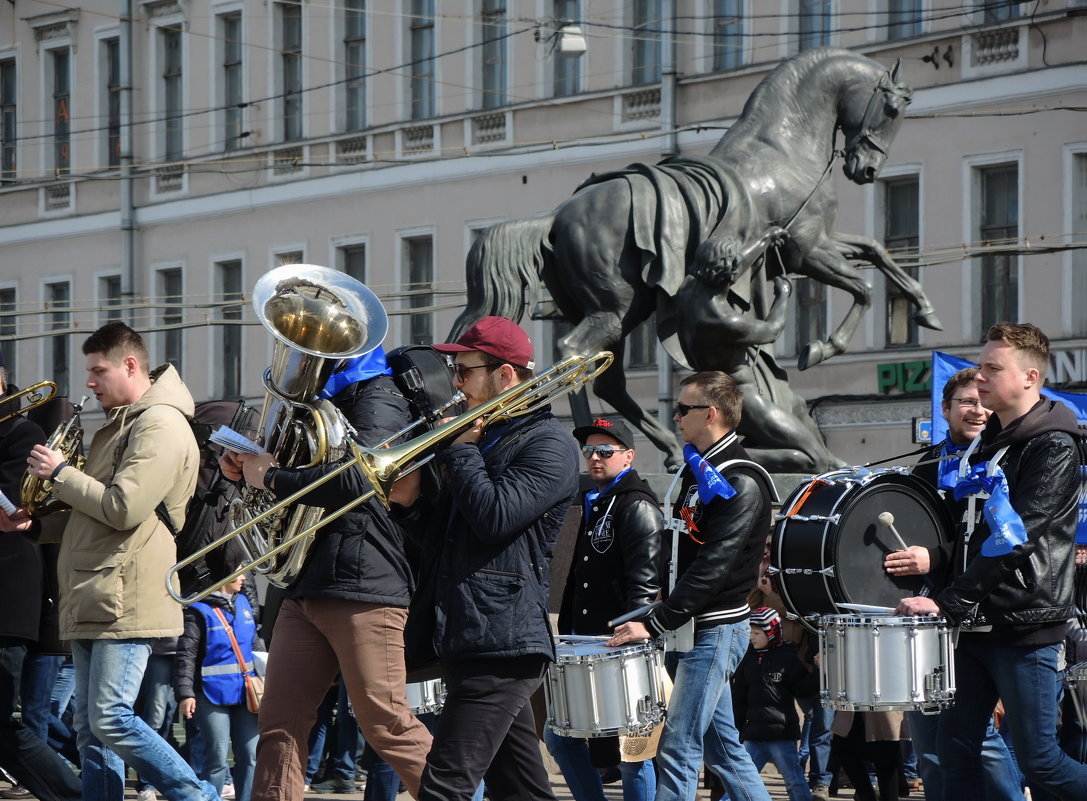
(209, 683)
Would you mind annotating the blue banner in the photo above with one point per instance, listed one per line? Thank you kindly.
(944, 365)
(711, 484)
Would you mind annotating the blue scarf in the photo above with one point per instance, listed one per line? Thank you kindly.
(711, 484)
(596, 492)
(948, 469)
(361, 368)
(1005, 524)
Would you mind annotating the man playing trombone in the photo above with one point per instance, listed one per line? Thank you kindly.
(345, 613)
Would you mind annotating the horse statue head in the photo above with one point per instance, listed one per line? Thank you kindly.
(868, 136)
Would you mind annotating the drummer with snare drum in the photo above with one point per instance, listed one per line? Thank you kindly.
(719, 526)
(1012, 591)
(614, 570)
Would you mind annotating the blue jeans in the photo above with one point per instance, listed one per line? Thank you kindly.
(382, 783)
(227, 727)
(1025, 677)
(1002, 781)
(156, 703)
(582, 777)
(344, 737)
(815, 741)
(110, 734)
(784, 755)
(700, 726)
(39, 677)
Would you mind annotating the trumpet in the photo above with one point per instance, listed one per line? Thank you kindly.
(36, 494)
(382, 467)
(36, 395)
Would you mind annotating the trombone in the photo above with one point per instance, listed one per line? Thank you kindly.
(384, 466)
(36, 395)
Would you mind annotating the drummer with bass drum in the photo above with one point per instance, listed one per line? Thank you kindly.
(614, 570)
(1011, 593)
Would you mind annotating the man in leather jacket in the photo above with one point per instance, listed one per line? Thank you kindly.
(720, 548)
(1012, 588)
(614, 570)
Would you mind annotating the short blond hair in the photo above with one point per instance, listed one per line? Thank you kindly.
(1027, 340)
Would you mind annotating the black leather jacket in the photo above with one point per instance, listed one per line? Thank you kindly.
(718, 570)
(1031, 587)
(614, 569)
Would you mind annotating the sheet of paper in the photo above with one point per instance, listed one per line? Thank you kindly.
(6, 504)
(233, 441)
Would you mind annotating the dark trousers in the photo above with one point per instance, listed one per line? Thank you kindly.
(487, 732)
(23, 754)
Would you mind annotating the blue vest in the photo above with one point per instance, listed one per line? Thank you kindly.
(221, 675)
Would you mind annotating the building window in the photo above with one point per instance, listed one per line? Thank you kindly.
(8, 88)
(999, 224)
(172, 93)
(354, 46)
(289, 257)
(903, 19)
(814, 19)
(493, 52)
(230, 291)
(233, 86)
(8, 329)
(352, 260)
(421, 29)
(901, 236)
(58, 302)
(811, 312)
(113, 101)
(109, 295)
(567, 76)
(728, 45)
(419, 256)
(290, 88)
(62, 116)
(646, 61)
(170, 289)
(999, 10)
(1079, 257)
(642, 344)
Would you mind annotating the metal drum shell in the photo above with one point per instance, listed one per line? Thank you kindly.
(425, 696)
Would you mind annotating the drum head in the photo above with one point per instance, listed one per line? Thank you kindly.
(830, 548)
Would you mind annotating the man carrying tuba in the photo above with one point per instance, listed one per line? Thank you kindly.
(345, 613)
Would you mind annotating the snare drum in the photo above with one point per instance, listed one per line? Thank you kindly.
(426, 696)
(885, 663)
(594, 691)
(828, 547)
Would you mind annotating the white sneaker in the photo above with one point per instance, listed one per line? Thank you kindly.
(146, 794)
(228, 791)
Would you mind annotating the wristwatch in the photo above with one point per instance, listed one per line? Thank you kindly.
(269, 476)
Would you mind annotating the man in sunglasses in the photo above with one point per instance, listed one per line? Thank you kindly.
(721, 520)
(614, 571)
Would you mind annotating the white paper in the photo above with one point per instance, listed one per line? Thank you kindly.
(233, 441)
(6, 504)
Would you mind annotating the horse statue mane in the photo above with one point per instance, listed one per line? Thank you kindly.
(701, 240)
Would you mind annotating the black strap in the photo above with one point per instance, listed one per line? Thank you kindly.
(918, 452)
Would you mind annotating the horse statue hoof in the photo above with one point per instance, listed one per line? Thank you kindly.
(813, 353)
(928, 319)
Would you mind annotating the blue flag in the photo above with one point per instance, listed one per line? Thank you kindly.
(711, 484)
(1006, 529)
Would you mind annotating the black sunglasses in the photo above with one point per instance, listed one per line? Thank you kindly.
(682, 408)
(460, 371)
(605, 452)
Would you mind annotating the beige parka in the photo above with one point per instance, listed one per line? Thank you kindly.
(115, 551)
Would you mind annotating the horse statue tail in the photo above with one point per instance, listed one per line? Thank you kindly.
(503, 271)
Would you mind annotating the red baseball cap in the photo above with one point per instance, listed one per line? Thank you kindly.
(498, 337)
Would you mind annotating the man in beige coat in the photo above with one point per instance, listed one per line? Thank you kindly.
(116, 549)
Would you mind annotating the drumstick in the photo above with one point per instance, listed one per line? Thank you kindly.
(623, 618)
(887, 519)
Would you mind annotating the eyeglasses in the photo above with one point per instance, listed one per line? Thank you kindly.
(460, 371)
(968, 403)
(605, 452)
(682, 408)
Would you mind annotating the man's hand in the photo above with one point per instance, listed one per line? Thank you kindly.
(18, 521)
(914, 561)
(917, 606)
(42, 461)
(231, 466)
(186, 706)
(473, 434)
(254, 466)
(782, 287)
(406, 491)
(629, 632)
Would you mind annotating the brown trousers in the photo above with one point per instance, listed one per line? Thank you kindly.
(314, 640)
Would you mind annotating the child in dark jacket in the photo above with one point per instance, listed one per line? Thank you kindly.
(765, 688)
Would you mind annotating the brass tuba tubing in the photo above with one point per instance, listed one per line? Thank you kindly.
(384, 466)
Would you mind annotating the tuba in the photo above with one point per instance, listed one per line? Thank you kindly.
(36, 494)
(317, 317)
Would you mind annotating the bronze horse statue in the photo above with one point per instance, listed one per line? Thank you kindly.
(625, 242)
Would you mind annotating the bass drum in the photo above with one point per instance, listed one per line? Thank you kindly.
(828, 545)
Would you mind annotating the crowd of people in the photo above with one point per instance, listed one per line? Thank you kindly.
(452, 576)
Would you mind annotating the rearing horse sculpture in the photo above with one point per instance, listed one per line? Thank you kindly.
(622, 245)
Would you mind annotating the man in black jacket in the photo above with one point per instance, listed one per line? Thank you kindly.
(22, 753)
(346, 611)
(614, 570)
(491, 534)
(1012, 566)
(721, 527)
